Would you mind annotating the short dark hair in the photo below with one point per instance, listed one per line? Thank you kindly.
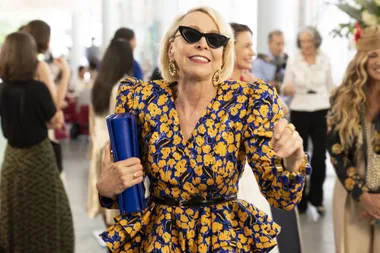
(238, 28)
(21, 28)
(80, 68)
(275, 33)
(18, 59)
(124, 33)
(40, 31)
(314, 33)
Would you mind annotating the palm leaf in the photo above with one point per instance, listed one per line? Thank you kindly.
(351, 11)
(372, 7)
(362, 3)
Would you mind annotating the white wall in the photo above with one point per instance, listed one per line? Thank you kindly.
(327, 17)
(278, 14)
(151, 18)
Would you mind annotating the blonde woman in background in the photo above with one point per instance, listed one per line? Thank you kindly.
(353, 144)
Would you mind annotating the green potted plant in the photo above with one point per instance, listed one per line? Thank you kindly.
(363, 13)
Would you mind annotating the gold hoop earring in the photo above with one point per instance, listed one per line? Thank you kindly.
(216, 78)
(172, 68)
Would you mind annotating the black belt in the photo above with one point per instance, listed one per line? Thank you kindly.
(194, 202)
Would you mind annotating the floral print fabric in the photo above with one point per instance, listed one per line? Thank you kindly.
(236, 125)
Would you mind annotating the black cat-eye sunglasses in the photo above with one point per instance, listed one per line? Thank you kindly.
(191, 35)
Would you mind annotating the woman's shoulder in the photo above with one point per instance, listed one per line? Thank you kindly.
(137, 84)
(244, 88)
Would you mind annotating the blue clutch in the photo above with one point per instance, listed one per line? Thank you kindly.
(122, 129)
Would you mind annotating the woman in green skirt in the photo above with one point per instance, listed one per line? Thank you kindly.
(35, 215)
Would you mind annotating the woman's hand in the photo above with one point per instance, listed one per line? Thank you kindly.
(371, 205)
(119, 176)
(288, 144)
(289, 90)
(369, 218)
(285, 108)
(57, 121)
(62, 65)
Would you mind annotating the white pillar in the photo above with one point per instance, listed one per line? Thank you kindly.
(77, 50)
(107, 23)
(111, 20)
(277, 14)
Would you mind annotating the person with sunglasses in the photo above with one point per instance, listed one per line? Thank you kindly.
(196, 131)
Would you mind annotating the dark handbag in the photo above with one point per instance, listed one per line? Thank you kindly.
(58, 155)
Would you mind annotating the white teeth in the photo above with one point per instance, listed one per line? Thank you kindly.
(200, 58)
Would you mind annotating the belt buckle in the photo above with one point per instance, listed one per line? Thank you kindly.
(181, 203)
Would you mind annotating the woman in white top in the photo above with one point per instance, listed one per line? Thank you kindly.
(308, 80)
(116, 64)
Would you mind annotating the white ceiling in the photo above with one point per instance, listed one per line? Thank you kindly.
(24, 6)
(10, 5)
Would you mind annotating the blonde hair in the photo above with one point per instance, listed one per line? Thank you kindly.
(349, 100)
(224, 28)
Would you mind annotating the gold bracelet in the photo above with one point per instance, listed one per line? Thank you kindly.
(304, 165)
(287, 177)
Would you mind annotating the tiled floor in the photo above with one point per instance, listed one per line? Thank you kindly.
(317, 234)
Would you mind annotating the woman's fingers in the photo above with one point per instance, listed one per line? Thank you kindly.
(279, 129)
(284, 141)
(131, 179)
(129, 172)
(106, 159)
(119, 176)
(128, 166)
(129, 162)
(290, 145)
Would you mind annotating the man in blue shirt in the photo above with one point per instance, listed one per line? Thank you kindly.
(128, 34)
(271, 66)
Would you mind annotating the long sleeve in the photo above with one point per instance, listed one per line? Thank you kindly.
(126, 94)
(264, 112)
(288, 76)
(137, 71)
(258, 71)
(344, 166)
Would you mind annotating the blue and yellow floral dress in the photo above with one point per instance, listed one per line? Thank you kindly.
(236, 125)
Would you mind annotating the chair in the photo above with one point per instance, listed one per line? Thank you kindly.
(83, 119)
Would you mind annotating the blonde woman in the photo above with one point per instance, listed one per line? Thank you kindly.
(354, 122)
(197, 130)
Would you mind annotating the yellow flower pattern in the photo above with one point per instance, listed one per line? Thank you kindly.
(237, 125)
(342, 158)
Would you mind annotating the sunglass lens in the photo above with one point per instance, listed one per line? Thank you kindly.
(216, 40)
(191, 35)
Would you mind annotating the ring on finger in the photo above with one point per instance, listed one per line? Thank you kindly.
(291, 127)
(134, 175)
